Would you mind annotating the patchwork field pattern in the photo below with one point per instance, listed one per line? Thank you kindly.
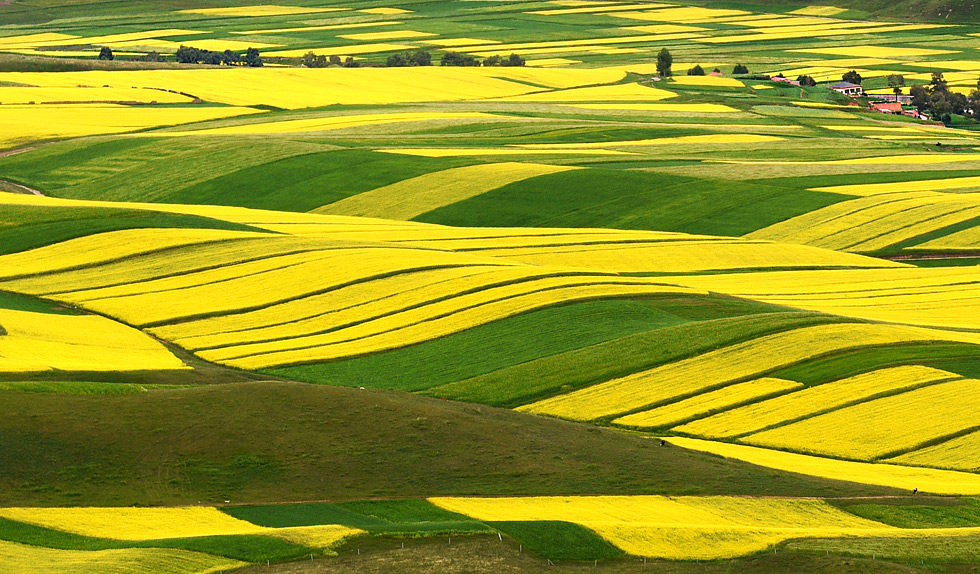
(703, 262)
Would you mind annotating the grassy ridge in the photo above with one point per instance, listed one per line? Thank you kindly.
(288, 441)
(557, 540)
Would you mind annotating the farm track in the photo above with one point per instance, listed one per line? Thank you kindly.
(11, 187)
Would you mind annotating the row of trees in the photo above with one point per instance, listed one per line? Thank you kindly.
(311, 60)
(665, 61)
(424, 58)
(192, 55)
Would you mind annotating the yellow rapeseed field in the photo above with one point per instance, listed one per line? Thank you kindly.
(905, 159)
(495, 151)
(42, 342)
(723, 398)
(829, 30)
(357, 302)
(874, 222)
(24, 559)
(348, 50)
(678, 528)
(294, 88)
(721, 138)
(105, 247)
(863, 189)
(30, 95)
(615, 92)
(662, 107)
(719, 81)
(757, 416)
(385, 11)
(937, 297)
(925, 479)
(966, 239)
(128, 523)
(819, 11)
(715, 368)
(875, 428)
(20, 124)
(414, 196)
(681, 256)
(960, 453)
(259, 10)
(432, 321)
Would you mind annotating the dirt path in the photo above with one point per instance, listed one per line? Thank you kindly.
(18, 150)
(12, 187)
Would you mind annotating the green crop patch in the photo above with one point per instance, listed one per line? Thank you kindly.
(557, 540)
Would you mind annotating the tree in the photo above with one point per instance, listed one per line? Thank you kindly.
(420, 58)
(514, 60)
(664, 61)
(805, 80)
(492, 61)
(852, 77)
(252, 58)
(920, 98)
(334, 60)
(351, 63)
(895, 82)
(151, 56)
(457, 59)
(230, 58)
(938, 83)
(740, 69)
(697, 70)
(188, 55)
(105, 53)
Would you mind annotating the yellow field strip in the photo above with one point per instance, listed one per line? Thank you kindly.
(716, 368)
(927, 480)
(106, 247)
(414, 196)
(435, 320)
(966, 239)
(495, 151)
(19, 124)
(907, 159)
(869, 430)
(257, 284)
(317, 28)
(682, 14)
(140, 524)
(805, 402)
(863, 189)
(874, 222)
(685, 108)
(683, 527)
(348, 50)
(167, 263)
(29, 95)
(707, 81)
(328, 123)
(36, 342)
(259, 10)
(706, 402)
(294, 88)
(681, 256)
(367, 300)
(24, 559)
(697, 139)
(591, 9)
(637, 39)
(615, 92)
(936, 297)
(961, 453)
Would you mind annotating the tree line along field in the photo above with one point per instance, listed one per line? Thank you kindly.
(491, 318)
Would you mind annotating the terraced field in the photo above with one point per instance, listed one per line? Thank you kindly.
(256, 314)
